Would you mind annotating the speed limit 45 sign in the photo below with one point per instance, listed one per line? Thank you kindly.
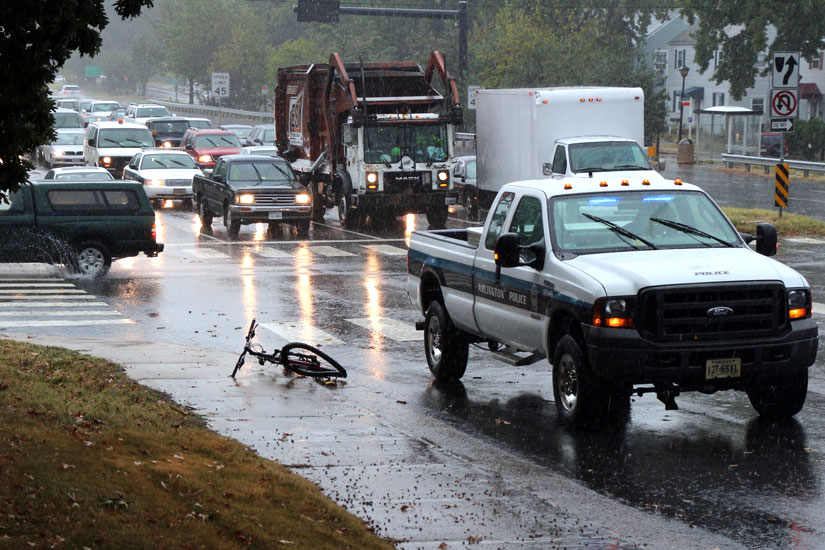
(220, 84)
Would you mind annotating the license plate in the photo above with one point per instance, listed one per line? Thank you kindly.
(275, 215)
(723, 368)
(180, 191)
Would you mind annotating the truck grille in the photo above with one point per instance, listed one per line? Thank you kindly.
(403, 182)
(181, 182)
(683, 313)
(274, 200)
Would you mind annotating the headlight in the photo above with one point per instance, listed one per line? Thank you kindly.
(153, 182)
(107, 160)
(302, 198)
(246, 198)
(443, 176)
(167, 144)
(614, 312)
(372, 181)
(205, 158)
(57, 153)
(799, 303)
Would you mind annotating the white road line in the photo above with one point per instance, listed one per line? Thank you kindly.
(301, 332)
(45, 291)
(69, 313)
(272, 253)
(30, 280)
(48, 297)
(804, 240)
(329, 251)
(819, 308)
(387, 249)
(392, 329)
(18, 305)
(64, 323)
(34, 285)
(206, 253)
(328, 241)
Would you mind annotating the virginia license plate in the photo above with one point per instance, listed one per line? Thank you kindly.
(723, 368)
(179, 191)
(275, 215)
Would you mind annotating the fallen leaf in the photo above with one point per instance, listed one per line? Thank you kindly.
(69, 467)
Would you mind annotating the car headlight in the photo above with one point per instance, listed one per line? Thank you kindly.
(57, 153)
(205, 158)
(614, 312)
(246, 198)
(799, 303)
(302, 198)
(167, 144)
(153, 182)
(107, 160)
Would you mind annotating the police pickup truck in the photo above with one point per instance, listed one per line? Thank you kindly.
(626, 286)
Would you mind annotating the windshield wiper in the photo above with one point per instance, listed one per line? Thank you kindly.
(692, 231)
(590, 169)
(161, 163)
(281, 170)
(179, 163)
(618, 229)
(260, 177)
(133, 141)
(630, 167)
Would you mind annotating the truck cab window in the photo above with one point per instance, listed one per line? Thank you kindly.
(560, 160)
(528, 224)
(220, 169)
(14, 204)
(500, 214)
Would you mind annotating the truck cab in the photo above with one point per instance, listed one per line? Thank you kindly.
(587, 156)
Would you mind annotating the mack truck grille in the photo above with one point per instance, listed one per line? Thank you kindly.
(402, 182)
(274, 200)
(712, 312)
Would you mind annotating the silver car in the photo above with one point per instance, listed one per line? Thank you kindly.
(65, 150)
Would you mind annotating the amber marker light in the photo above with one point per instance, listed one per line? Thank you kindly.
(568, 186)
(645, 182)
(602, 183)
(625, 183)
(799, 313)
(677, 182)
(619, 322)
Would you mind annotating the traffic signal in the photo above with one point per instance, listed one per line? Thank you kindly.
(323, 11)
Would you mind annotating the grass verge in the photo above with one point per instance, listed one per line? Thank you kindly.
(91, 459)
(789, 225)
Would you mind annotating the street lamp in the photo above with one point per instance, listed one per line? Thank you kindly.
(683, 70)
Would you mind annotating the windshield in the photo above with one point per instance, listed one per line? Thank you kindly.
(68, 139)
(269, 136)
(217, 140)
(105, 107)
(582, 222)
(169, 127)
(241, 132)
(201, 124)
(245, 174)
(67, 120)
(125, 137)
(389, 142)
(607, 156)
(84, 176)
(167, 161)
(151, 111)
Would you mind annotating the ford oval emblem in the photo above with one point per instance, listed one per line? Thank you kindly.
(720, 311)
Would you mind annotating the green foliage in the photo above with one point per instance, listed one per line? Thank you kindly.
(740, 30)
(37, 38)
(295, 52)
(807, 140)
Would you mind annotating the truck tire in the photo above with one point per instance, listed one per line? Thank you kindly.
(92, 258)
(781, 397)
(318, 208)
(302, 227)
(437, 216)
(204, 214)
(445, 346)
(581, 398)
(233, 226)
(347, 215)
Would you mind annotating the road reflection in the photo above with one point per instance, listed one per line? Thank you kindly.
(696, 474)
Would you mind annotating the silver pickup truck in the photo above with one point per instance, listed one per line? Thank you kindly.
(626, 286)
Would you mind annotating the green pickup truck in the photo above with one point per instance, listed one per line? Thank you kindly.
(79, 224)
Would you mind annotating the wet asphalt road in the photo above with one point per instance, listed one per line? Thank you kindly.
(711, 474)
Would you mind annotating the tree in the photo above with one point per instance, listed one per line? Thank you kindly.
(741, 30)
(36, 39)
(808, 139)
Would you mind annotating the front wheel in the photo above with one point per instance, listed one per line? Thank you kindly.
(92, 258)
(302, 227)
(581, 398)
(317, 201)
(347, 215)
(308, 360)
(204, 214)
(781, 397)
(437, 216)
(445, 346)
(233, 226)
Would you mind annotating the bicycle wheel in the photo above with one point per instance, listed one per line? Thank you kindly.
(307, 360)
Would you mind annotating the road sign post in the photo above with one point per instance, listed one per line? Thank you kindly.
(781, 192)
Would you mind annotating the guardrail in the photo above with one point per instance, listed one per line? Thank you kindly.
(208, 110)
(770, 162)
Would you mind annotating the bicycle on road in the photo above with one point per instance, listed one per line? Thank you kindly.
(296, 357)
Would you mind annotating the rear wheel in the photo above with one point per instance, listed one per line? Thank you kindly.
(308, 360)
(781, 397)
(445, 346)
(92, 258)
(204, 214)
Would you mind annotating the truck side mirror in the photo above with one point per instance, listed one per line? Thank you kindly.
(218, 178)
(766, 239)
(91, 142)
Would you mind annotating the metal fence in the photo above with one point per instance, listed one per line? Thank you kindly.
(770, 162)
(209, 111)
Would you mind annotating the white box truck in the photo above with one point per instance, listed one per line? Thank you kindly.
(558, 132)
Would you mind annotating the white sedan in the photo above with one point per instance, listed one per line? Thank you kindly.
(165, 175)
(65, 150)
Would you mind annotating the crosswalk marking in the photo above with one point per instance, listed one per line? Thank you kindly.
(392, 329)
(30, 305)
(387, 249)
(68, 313)
(43, 291)
(329, 251)
(272, 253)
(33, 285)
(79, 297)
(206, 253)
(63, 323)
(301, 332)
